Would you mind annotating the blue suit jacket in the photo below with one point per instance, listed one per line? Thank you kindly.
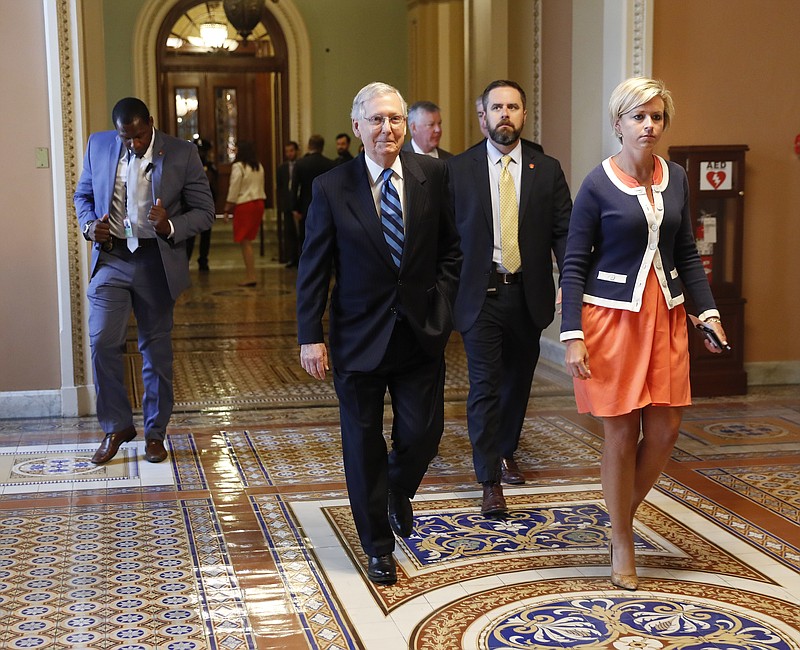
(178, 180)
(344, 235)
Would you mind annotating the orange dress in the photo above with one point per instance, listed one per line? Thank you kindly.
(636, 358)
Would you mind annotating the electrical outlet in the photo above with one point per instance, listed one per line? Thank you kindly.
(42, 157)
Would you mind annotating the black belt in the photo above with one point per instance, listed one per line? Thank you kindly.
(144, 242)
(508, 278)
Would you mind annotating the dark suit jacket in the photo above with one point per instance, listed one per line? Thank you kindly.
(344, 234)
(306, 169)
(443, 155)
(283, 187)
(179, 180)
(545, 206)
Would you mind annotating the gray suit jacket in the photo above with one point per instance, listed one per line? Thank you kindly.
(178, 180)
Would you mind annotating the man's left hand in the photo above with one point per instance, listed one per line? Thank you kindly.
(158, 217)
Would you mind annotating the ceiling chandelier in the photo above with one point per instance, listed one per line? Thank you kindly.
(213, 34)
(244, 15)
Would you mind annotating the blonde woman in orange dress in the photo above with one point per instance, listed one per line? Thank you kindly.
(630, 260)
(245, 200)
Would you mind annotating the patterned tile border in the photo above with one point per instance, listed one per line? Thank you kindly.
(781, 550)
(135, 576)
(774, 487)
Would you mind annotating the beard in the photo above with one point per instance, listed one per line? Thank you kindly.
(505, 136)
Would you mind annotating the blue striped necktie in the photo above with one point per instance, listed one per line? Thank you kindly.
(392, 217)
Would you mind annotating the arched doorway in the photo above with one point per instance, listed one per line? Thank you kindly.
(223, 86)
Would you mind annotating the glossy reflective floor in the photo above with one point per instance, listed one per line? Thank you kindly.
(243, 538)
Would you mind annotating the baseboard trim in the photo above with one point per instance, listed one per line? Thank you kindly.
(30, 404)
(73, 401)
(772, 373)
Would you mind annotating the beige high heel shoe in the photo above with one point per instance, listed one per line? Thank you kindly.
(621, 580)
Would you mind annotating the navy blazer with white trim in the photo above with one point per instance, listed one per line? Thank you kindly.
(616, 236)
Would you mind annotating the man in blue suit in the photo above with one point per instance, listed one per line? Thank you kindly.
(383, 223)
(141, 194)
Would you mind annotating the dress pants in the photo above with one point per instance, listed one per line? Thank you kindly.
(291, 248)
(205, 247)
(502, 349)
(415, 382)
(123, 281)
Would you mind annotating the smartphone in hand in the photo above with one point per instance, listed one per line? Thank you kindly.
(709, 333)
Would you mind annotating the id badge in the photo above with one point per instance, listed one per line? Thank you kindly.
(128, 227)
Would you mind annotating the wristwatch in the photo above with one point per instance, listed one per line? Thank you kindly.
(86, 230)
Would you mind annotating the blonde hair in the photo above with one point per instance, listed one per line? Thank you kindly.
(634, 92)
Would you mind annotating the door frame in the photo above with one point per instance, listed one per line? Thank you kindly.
(295, 111)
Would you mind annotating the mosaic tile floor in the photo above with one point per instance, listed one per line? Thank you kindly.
(243, 538)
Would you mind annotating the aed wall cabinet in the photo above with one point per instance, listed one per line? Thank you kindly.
(716, 204)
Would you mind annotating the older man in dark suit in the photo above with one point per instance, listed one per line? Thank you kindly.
(512, 208)
(425, 126)
(383, 224)
(140, 196)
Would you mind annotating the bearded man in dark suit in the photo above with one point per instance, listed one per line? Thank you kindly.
(383, 224)
(512, 207)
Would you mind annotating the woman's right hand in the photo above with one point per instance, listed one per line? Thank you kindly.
(577, 359)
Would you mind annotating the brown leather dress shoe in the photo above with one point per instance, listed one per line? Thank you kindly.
(381, 569)
(111, 444)
(511, 472)
(154, 451)
(494, 503)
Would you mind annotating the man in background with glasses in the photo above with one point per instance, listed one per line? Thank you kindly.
(383, 223)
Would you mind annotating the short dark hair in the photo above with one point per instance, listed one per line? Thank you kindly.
(503, 83)
(292, 143)
(126, 110)
(316, 142)
(344, 135)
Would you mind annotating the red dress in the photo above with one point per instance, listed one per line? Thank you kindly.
(247, 220)
(636, 358)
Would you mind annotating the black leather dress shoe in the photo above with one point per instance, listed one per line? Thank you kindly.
(494, 503)
(154, 451)
(111, 444)
(401, 514)
(511, 473)
(381, 570)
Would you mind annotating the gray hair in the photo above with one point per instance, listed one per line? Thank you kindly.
(417, 109)
(370, 91)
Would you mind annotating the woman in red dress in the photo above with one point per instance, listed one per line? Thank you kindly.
(246, 197)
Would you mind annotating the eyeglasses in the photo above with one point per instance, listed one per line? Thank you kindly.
(376, 121)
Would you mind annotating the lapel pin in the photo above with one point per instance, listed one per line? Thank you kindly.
(531, 166)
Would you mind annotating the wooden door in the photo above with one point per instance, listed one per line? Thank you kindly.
(223, 108)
